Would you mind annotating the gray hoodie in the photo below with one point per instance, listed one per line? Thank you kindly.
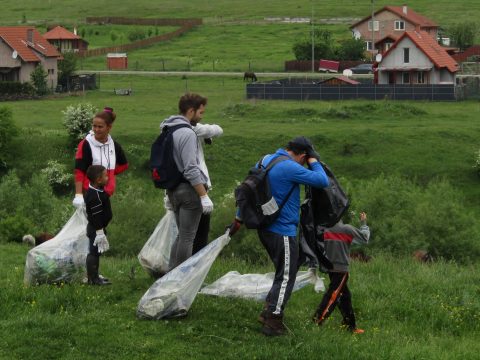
(185, 150)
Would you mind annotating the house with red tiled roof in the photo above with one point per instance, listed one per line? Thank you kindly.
(22, 48)
(416, 58)
(386, 25)
(65, 41)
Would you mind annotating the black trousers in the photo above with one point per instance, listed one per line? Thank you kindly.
(201, 237)
(283, 251)
(337, 294)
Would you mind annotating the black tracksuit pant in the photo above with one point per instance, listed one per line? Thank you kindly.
(337, 293)
(283, 251)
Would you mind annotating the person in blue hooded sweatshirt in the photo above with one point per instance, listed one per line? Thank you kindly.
(279, 238)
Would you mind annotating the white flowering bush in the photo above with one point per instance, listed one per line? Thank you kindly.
(477, 161)
(78, 119)
(57, 175)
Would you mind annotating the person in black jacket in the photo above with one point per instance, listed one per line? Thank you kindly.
(99, 214)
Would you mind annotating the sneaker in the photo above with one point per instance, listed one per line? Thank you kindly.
(357, 331)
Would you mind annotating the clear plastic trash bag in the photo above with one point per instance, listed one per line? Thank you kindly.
(155, 254)
(173, 294)
(61, 259)
(257, 286)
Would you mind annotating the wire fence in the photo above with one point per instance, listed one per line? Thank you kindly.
(295, 91)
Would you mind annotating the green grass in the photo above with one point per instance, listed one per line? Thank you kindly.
(409, 310)
(222, 10)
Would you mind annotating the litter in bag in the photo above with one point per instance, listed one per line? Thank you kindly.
(61, 259)
(155, 254)
(172, 295)
(257, 286)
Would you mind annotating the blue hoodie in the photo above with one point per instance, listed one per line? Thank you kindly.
(282, 177)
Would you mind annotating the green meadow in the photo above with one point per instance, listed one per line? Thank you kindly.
(409, 165)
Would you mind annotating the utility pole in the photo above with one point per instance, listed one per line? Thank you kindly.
(373, 29)
(313, 42)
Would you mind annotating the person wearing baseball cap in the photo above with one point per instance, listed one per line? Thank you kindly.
(279, 238)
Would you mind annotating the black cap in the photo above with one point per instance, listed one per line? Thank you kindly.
(302, 144)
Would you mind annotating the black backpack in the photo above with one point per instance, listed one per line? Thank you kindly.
(165, 174)
(329, 203)
(257, 206)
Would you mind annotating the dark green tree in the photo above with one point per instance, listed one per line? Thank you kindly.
(351, 49)
(38, 78)
(463, 34)
(66, 68)
(323, 46)
(8, 131)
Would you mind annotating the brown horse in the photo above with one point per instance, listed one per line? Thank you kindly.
(250, 75)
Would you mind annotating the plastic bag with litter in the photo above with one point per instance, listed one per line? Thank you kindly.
(173, 294)
(257, 286)
(61, 259)
(155, 254)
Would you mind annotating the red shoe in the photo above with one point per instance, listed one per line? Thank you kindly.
(358, 331)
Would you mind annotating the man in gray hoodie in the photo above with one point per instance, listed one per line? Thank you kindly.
(189, 199)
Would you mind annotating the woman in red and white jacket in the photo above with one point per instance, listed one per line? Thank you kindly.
(98, 148)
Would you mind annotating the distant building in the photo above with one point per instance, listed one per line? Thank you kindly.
(117, 61)
(22, 48)
(389, 23)
(65, 41)
(339, 80)
(417, 58)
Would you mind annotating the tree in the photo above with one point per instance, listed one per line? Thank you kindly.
(463, 34)
(66, 68)
(351, 49)
(113, 36)
(38, 78)
(323, 46)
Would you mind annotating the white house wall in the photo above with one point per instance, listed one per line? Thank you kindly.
(418, 59)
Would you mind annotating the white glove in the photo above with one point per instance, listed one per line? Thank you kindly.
(167, 204)
(101, 242)
(207, 204)
(78, 201)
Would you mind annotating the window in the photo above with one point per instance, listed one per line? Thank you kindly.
(375, 25)
(406, 78)
(388, 45)
(399, 25)
(51, 71)
(369, 45)
(421, 77)
(406, 55)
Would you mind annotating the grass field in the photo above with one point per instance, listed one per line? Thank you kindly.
(409, 311)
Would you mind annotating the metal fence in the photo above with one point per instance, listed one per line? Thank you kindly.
(309, 91)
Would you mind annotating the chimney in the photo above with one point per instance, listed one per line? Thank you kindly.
(30, 36)
(75, 30)
(405, 9)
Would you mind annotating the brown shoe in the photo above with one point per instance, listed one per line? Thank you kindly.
(273, 325)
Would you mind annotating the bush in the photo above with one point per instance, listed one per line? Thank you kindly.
(78, 119)
(13, 228)
(29, 208)
(137, 34)
(8, 130)
(57, 176)
(405, 217)
(16, 88)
